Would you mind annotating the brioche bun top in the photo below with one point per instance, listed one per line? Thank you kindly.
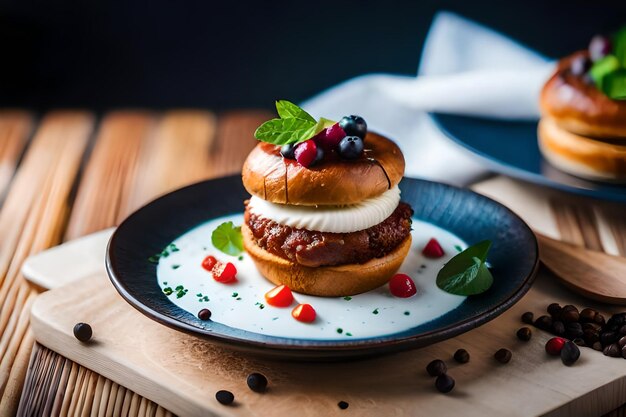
(333, 181)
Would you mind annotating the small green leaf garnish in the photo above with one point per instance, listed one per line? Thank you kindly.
(294, 125)
(227, 238)
(286, 110)
(339, 330)
(466, 273)
(375, 311)
(347, 298)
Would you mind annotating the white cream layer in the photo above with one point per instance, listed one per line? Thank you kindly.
(334, 219)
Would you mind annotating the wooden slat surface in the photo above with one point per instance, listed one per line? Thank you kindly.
(135, 157)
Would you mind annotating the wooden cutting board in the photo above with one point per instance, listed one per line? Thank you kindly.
(182, 373)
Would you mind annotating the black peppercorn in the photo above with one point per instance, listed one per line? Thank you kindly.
(444, 383)
(612, 350)
(462, 356)
(224, 397)
(570, 353)
(436, 368)
(528, 317)
(587, 315)
(573, 330)
(503, 355)
(558, 328)
(204, 314)
(590, 337)
(257, 382)
(524, 334)
(607, 338)
(570, 315)
(544, 323)
(83, 332)
(554, 310)
(343, 405)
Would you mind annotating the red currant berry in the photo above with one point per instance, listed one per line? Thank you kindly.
(555, 345)
(330, 137)
(433, 249)
(306, 153)
(401, 285)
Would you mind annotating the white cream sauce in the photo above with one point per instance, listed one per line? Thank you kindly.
(373, 314)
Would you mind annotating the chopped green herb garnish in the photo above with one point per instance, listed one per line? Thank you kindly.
(458, 248)
(467, 272)
(406, 313)
(240, 257)
(173, 247)
(167, 291)
(348, 334)
(205, 298)
(274, 318)
(375, 311)
(199, 295)
(164, 282)
(175, 266)
(347, 298)
(339, 330)
(180, 287)
(238, 298)
(154, 258)
(235, 294)
(227, 238)
(261, 305)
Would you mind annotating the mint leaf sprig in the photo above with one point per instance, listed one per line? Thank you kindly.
(228, 239)
(467, 273)
(295, 125)
(609, 72)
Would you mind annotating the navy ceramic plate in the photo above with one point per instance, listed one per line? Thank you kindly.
(510, 147)
(471, 217)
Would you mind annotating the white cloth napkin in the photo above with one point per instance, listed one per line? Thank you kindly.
(465, 69)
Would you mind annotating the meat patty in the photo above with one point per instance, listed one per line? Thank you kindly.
(311, 248)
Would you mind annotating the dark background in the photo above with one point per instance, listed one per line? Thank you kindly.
(220, 55)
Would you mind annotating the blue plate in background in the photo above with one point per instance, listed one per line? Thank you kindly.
(510, 147)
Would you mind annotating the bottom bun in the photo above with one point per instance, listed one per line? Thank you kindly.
(581, 156)
(327, 281)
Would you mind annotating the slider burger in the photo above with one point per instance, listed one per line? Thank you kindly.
(325, 216)
(583, 126)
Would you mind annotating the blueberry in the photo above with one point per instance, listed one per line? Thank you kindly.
(287, 151)
(354, 126)
(319, 156)
(351, 147)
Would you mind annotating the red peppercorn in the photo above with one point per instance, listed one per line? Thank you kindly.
(433, 249)
(555, 345)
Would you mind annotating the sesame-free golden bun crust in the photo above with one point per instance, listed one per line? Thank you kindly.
(326, 281)
(334, 181)
(581, 156)
(580, 107)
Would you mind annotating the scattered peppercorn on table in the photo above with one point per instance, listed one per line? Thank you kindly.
(80, 173)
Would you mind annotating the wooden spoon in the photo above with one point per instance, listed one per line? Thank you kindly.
(593, 274)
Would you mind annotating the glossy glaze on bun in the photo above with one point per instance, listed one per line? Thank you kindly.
(581, 156)
(579, 107)
(334, 181)
(326, 281)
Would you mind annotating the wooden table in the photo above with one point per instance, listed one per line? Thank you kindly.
(70, 173)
